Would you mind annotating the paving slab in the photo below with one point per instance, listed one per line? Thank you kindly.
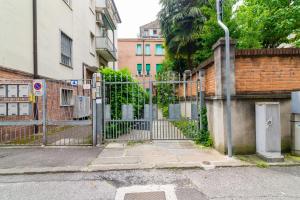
(160, 154)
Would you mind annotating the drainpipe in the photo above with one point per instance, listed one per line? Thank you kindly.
(35, 50)
(228, 81)
(35, 59)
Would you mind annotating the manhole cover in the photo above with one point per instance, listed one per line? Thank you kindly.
(146, 196)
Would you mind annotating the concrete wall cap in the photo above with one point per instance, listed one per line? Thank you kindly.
(221, 42)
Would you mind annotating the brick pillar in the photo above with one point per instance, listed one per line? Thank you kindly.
(219, 57)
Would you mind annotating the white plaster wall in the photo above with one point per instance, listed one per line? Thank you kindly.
(77, 22)
(16, 48)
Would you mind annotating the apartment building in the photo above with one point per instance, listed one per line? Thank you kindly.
(143, 56)
(57, 39)
(151, 30)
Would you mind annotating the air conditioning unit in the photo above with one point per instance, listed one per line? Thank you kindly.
(82, 107)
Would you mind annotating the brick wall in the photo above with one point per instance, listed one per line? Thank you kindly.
(210, 83)
(271, 74)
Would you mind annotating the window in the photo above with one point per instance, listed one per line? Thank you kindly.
(139, 69)
(66, 97)
(158, 67)
(68, 2)
(159, 50)
(148, 50)
(148, 69)
(154, 32)
(66, 50)
(93, 43)
(139, 49)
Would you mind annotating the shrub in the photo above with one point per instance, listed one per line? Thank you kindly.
(118, 94)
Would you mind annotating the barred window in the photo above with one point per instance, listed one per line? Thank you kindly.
(66, 50)
(66, 97)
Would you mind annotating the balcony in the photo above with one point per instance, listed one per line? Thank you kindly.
(106, 49)
(107, 10)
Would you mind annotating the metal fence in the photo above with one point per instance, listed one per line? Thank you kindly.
(63, 116)
(151, 109)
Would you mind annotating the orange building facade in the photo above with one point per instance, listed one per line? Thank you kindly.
(142, 57)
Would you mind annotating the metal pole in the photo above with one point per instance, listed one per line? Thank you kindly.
(45, 114)
(228, 81)
(94, 94)
(201, 99)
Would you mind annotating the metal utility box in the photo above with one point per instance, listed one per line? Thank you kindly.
(296, 102)
(23, 91)
(12, 109)
(268, 131)
(81, 107)
(24, 109)
(3, 109)
(2, 90)
(296, 135)
(12, 90)
(107, 113)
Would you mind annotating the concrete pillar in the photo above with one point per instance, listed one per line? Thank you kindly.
(219, 58)
(217, 105)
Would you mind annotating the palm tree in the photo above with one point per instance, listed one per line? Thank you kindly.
(181, 20)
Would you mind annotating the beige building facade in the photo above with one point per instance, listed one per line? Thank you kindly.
(57, 39)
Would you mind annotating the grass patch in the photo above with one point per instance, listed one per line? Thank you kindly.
(290, 157)
(133, 143)
(253, 159)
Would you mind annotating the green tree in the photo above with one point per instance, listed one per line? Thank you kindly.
(180, 20)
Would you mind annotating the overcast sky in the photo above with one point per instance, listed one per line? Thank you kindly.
(135, 13)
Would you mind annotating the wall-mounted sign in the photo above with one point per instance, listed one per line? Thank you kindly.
(38, 88)
(74, 82)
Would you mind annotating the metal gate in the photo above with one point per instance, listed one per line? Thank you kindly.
(60, 117)
(164, 109)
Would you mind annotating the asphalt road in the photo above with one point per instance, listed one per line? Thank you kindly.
(226, 183)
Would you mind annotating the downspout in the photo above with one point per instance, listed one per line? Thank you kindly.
(35, 59)
(35, 46)
(228, 81)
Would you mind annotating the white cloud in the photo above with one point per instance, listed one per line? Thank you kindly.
(135, 13)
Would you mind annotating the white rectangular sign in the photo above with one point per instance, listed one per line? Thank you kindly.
(38, 88)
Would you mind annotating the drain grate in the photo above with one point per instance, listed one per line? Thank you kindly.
(145, 196)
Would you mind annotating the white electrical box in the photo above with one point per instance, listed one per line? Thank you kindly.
(23, 91)
(296, 102)
(296, 134)
(268, 131)
(12, 91)
(12, 109)
(3, 109)
(24, 109)
(2, 90)
(81, 107)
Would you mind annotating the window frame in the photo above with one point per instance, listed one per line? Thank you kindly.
(158, 66)
(70, 101)
(141, 49)
(162, 50)
(146, 53)
(139, 73)
(92, 44)
(148, 73)
(62, 35)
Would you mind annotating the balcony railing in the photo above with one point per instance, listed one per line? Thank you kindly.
(106, 47)
(109, 9)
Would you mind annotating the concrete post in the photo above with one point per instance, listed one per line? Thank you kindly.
(220, 65)
(223, 140)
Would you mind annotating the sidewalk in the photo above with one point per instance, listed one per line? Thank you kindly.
(115, 156)
(159, 155)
